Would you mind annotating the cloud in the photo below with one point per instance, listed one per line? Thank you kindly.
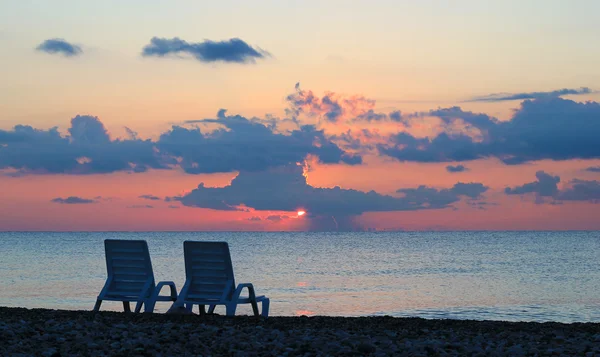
(499, 97)
(547, 128)
(277, 218)
(87, 150)
(286, 189)
(246, 145)
(86, 129)
(450, 115)
(236, 144)
(140, 206)
(233, 50)
(59, 46)
(593, 169)
(72, 200)
(480, 205)
(546, 186)
(138, 168)
(332, 107)
(581, 190)
(396, 116)
(150, 197)
(439, 198)
(457, 168)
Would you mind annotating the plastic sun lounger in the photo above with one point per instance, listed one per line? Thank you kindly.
(209, 280)
(130, 276)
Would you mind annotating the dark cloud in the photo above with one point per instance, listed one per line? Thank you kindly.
(396, 116)
(548, 128)
(286, 189)
(233, 50)
(139, 168)
(174, 207)
(372, 116)
(277, 218)
(439, 198)
(88, 150)
(72, 200)
(237, 144)
(581, 190)
(456, 168)
(546, 186)
(246, 145)
(255, 219)
(59, 46)
(480, 121)
(442, 148)
(480, 205)
(86, 129)
(150, 197)
(499, 97)
(593, 169)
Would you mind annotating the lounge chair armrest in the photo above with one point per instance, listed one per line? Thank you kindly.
(170, 284)
(240, 287)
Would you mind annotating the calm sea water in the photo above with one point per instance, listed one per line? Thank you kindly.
(518, 276)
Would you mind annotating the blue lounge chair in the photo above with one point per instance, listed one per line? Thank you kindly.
(209, 280)
(130, 276)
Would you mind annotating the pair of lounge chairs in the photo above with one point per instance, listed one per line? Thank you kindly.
(208, 272)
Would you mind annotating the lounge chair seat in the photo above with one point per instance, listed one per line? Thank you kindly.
(210, 280)
(130, 276)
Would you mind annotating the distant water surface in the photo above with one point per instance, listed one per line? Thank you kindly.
(517, 276)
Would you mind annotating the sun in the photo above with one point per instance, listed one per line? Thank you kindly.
(301, 213)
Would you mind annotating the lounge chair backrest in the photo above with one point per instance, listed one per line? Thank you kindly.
(128, 265)
(208, 269)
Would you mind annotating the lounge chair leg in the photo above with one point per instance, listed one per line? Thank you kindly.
(149, 306)
(265, 307)
(230, 309)
(211, 309)
(254, 308)
(189, 307)
(126, 306)
(138, 306)
(202, 310)
(97, 306)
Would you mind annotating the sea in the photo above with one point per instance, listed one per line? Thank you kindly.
(511, 276)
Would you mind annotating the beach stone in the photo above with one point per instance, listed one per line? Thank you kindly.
(23, 331)
(92, 345)
(365, 347)
(49, 352)
(516, 350)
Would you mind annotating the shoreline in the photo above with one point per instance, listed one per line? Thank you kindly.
(68, 333)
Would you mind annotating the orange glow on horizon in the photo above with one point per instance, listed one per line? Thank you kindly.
(301, 213)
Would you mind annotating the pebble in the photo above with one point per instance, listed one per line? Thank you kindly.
(365, 348)
(71, 333)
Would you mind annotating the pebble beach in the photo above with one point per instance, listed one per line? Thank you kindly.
(43, 332)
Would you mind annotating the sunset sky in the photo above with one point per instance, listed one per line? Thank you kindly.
(236, 115)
